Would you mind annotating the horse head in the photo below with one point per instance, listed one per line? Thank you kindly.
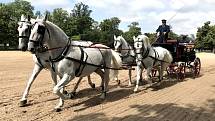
(141, 43)
(118, 43)
(44, 35)
(24, 30)
(37, 35)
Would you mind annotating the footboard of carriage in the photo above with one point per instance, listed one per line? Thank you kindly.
(184, 59)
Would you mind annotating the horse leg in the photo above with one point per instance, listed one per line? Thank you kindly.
(54, 77)
(117, 80)
(129, 73)
(61, 101)
(139, 75)
(148, 76)
(76, 86)
(161, 69)
(90, 82)
(35, 73)
(105, 81)
(101, 74)
(59, 87)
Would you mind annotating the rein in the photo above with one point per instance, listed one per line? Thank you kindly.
(26, 37)
(55, 48)
(61, 56)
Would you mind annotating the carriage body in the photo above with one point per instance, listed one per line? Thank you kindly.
(184, 58)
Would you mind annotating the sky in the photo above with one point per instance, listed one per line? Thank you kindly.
(184, 16)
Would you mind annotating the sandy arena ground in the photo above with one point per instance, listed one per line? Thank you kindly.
(189, 100)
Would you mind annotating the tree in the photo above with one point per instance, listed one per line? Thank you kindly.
(94, 34)
(134, 30)
(173, 35)
(9, 17)
(205, 37)
(109, 28)
(152, 37)
(81, 19)
(60, 17)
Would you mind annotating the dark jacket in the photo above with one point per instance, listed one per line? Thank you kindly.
(162, 38)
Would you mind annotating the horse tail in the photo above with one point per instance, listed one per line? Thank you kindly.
(116, 63)
(116, 59)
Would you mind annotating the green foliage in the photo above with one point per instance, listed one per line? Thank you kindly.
(80, 17)
(134, 30)
(173, 35)
(109, 28)
(205, 36)
(9, 17)
(79, 25)
(76, 37)
(60, 17)
(151, 36)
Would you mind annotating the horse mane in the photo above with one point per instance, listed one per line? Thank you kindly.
(32, 20)
(56, 28)
(124, 41)
(145, 39)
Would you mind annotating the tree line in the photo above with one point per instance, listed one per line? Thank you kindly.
(79, 25)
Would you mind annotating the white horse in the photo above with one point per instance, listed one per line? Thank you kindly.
(24, 30)
(70, 61)
(127, 53)
(150, 57)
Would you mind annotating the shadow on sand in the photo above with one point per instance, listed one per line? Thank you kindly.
(157, 112)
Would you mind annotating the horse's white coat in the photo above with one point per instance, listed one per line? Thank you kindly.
(162, 55)
(126, 51)
(24, 30)
(66, 68)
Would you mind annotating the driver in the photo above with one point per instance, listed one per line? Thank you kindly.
(162, 32)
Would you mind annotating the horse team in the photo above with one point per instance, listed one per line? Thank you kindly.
(52, 49)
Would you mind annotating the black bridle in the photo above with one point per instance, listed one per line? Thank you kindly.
(27, 31)
(120, 46)
(39, 44)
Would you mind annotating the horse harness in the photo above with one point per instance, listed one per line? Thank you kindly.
(146, 54)
(27, 37)
(127, 56)
(82, 61)
(28, 30)
(123, 57)
(41, 30)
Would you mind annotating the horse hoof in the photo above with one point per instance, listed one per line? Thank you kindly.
(23, 103)
(158, 84)
(93, 86)
(58, 109)
(65, 92)
(135, 90)
(72, 95)
(103, 96)
(102, 87)
(119, 82)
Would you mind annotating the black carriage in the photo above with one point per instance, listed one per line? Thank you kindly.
(184, 58)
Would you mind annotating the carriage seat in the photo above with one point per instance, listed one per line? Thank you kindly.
(171, 41)
(187, 45)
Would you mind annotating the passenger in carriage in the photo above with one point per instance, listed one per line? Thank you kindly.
(162, 32)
